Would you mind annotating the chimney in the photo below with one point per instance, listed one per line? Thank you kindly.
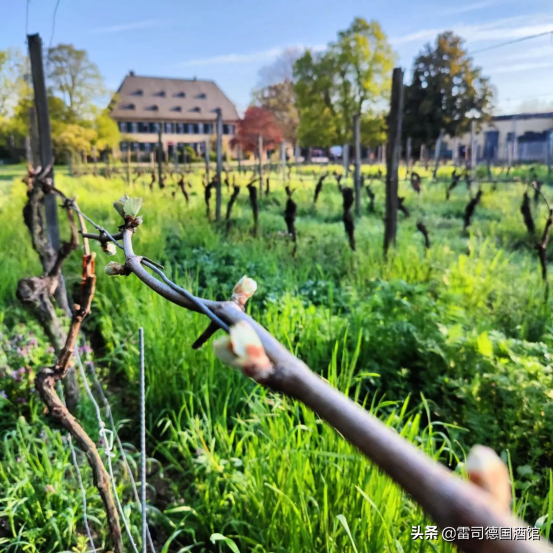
(131, 73)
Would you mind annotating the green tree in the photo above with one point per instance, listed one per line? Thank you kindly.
(446, 88)
(12, 81)
(107, 132)
(351, 76)
(74, 139)
(280, 100)
(275, 92)
(75, 79)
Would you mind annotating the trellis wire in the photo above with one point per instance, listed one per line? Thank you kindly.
(79, 477)
(107, 406)
(83, 491)
(142, 439)
(108, 447)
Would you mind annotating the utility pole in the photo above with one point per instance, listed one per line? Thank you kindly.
(392, 158)
(159, 156)
(218, 197)
(357, 175)
(260, 155)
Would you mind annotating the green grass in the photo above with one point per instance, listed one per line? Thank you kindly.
(238, 468)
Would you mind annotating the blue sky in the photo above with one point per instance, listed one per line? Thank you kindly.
(229, 41)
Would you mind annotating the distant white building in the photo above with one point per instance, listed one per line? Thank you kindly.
(516, 137)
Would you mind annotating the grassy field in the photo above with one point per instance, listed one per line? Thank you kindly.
(451, 347)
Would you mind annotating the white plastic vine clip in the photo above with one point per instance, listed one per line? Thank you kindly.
(108, 441)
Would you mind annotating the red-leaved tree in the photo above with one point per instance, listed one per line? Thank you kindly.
(257, 121)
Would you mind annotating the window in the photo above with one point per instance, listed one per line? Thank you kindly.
(208, 128)
(180, 128)
(152, 108)
(122, 126)
(201, 96)
(134, 127)
(160, 94)
(196, 109)
(143, 146)
(176, 108)
(228, 129)
(180, 95)
(153, 127)
(123, 146)
(127, 106)
(195, 128)
(169, 128)
(137, 92)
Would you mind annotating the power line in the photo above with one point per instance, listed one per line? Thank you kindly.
(54, 24)
(515, 41)
(27, 18)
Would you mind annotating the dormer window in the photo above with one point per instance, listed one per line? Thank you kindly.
(180, 95)
(196, 109)
(128, 106)
(201, 96)
(138, 92)
(160, 94)
(152, 108)
(176, 108)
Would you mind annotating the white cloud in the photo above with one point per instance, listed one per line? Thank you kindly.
(252, 57)
(147, 24)
(501, 29)
(469, 7)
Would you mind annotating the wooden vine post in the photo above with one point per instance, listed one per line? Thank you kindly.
(46, 156)
(218, 197)
(159, 156)
(472, 150)
(437, 153)
(392, 159)
(260, 154)
(283, 160)
(357, 176)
